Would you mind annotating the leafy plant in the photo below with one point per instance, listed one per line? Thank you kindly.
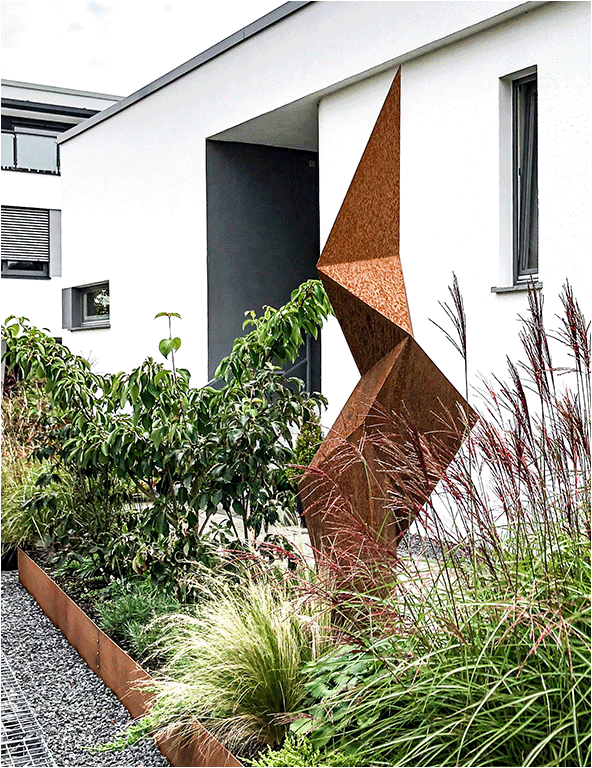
(173, 343)
(278, 335)
(188, 452)
(43, 501)
(307, 443)
(126, 611)
(299, 751)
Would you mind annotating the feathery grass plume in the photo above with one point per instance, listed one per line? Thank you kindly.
(235, 664)
(457, 315)
(480, 655)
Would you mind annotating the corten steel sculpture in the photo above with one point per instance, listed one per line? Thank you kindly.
(401, 392)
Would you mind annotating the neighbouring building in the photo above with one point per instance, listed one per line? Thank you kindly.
(33, 116)
(212, 190)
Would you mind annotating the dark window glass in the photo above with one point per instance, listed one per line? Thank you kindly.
(95, 304)
(526, 245)
(22, 268)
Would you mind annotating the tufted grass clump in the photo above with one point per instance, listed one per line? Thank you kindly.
(236, 664)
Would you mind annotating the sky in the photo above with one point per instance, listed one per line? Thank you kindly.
(113, 47)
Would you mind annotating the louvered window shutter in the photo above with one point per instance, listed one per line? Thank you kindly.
(25, 234)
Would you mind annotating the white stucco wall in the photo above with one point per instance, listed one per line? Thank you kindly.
(134, 195)
(455, 189)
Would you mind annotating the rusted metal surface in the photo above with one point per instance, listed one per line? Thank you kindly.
(196, 747)
(365, 461)
(116, 668)
(38, 584)
(122, 675)
(75, 625)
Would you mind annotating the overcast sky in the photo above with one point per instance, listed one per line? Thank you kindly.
(116, 46)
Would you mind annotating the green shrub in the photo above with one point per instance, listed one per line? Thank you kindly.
(189, 452)
(307, 443)
(45, 502)
(24, 520)
(299, 751)
(490, 673)
(127, 609)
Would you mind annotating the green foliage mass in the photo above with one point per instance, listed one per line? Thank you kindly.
(188, 452)
(307, 443)
(126, 610)
(300, 751)
(45, 502)
(494, 678)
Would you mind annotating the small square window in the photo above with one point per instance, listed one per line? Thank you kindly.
(95, 304)
(85, 307)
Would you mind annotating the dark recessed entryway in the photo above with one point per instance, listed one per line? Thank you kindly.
(263, 238)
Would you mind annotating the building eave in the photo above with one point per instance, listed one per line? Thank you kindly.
(197, 61)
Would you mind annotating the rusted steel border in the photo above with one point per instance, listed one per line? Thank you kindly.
(116, 668)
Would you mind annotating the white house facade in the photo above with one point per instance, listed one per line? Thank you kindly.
(212, 190)
(32, 118)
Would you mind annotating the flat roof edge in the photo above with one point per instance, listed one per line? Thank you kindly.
(56, 89)
(210, 53)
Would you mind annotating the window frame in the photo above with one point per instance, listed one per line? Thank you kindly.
(95, 321)
(524, 185)
(73, 312)
(25, 274)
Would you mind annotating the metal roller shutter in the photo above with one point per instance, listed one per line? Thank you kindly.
(25, 234)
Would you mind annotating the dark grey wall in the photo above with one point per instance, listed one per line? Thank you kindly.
(263, 236)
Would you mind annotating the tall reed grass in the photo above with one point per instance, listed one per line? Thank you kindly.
(480, 656)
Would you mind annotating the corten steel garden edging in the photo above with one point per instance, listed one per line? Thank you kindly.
(116, 668)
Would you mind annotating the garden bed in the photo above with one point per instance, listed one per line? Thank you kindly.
(114, 666)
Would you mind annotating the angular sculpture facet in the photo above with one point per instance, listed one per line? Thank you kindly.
(401, 391)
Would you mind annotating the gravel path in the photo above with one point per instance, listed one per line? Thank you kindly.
(71, 704)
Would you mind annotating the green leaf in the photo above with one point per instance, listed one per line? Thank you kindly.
(165, 347)
(156, 437)
(168, 314)
(160, 376)
(302, 726)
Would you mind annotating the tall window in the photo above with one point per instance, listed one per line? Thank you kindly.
(526, 218)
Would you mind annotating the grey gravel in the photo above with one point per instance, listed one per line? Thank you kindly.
(412, 544)
(72, 705)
